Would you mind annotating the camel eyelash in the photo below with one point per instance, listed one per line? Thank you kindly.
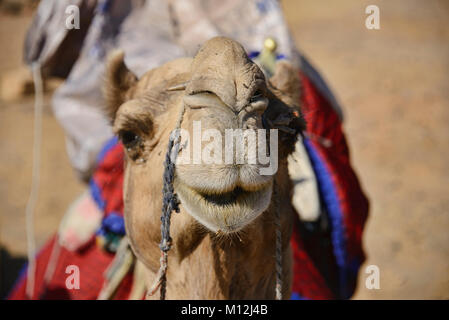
(140, 124)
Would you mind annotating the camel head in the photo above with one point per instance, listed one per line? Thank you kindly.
(219, 89)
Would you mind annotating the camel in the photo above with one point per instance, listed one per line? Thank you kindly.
(224, 235)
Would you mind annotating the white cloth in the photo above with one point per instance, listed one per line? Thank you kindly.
(151, 33)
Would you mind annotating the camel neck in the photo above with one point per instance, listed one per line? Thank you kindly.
(237, 266)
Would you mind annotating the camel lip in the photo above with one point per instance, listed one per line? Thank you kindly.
(236, 187)
(225, 197)
(228, 211)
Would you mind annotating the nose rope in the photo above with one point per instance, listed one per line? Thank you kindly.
(277, 223)
(170, 203)
(35, 180)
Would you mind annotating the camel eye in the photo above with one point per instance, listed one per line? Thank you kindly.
(129, 139)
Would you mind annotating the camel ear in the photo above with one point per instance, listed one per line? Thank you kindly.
(284, 110)
(287, 82)
(119, 83)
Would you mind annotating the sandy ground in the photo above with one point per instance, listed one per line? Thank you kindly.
(393, 84)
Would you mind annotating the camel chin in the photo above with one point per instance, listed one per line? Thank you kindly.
(225, 212)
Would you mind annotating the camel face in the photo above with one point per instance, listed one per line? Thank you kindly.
(223, 93)
(225, 97)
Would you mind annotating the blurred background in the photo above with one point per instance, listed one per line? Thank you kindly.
(393, 85)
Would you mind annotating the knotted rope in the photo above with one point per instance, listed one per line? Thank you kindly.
(170, 203)
(277, 223)
(35, 180)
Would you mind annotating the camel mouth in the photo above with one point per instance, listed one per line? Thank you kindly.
(228, 211)
(226, 198)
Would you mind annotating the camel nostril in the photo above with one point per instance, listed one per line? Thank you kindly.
(257, 105)
(257, 95)
(251, 115)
